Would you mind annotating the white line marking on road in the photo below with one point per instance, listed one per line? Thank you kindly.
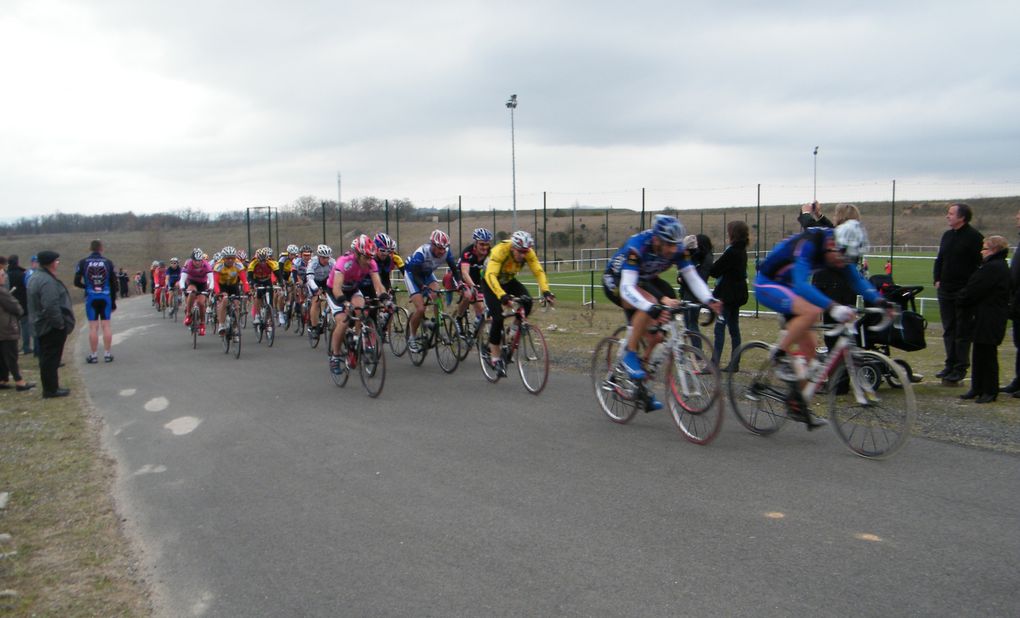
(127, 392)
(864, 536)
(150, 469)
(157, 404)
(183, 425)
(118, 338)
(201, 606)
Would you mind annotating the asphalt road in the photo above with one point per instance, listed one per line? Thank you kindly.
(260, 489)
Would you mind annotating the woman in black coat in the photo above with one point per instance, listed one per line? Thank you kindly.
(987, 296)
(730, 272)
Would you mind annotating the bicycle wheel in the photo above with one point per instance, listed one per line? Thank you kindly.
(371, 360)
(461, 325)
(880, 426)
(447, 344)
(314, 335)
(757, 397)
(270, 326)
(613, 390)
(692, 394)
(482, 341)
(533, 358)
(162, 305)
(195, 315)
(234, 332)
(260, 327)
(225, 338)
(396, 331)
(244, 312)
(340, 379)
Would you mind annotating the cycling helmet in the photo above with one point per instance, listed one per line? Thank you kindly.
(481, 234)
(383, 241)
(851, 238)
(155, 263)
(292, 248)
(284, 254)
(196, 254)
(263, 253)
(216, 256)
(228, 251)
(205, 256)
(521, 240)
(439, 238)
(668, 229)
(306, 248)
(363, 245)
(324, 251)
(162, 264)
(242, 255)
(174, 260)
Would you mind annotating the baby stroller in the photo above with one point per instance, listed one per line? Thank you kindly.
(905, 333)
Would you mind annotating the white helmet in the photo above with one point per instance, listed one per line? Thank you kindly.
(324, 251)
(851, 238)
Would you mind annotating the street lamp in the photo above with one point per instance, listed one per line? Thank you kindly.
(814, 191)
(511, 104)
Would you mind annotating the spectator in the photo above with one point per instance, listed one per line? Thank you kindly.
(985, 299)
(94, 274)
(141, 277)
(33, 266)
(10, 331)
(3, 266)
(122, 280)
(16, 281)
(888, 267)
(730, 272)
(1013, 388)
(700, 253)
(49, 304)
(811, 216)
(959, 256)
(864, 268)
(832, 283)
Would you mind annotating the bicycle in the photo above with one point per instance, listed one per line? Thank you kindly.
(158, 302)
(325, 316)
(690, 380)
(362, 350)
(232, 324)
(523, 344)
(394, 327)
(467, 327)
(871, 426)
(437, 332)
(266, 326)
(175, 302)
(196, 320)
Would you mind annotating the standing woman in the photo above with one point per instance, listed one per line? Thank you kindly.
(730, 272)
(986, 297)
(10, 333)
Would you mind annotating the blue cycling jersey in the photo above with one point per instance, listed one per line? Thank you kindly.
(422, 263)
(637, 254)
(792, 262)
(95, 275)
(173, 275)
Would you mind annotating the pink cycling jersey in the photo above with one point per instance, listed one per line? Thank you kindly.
(352, 271)
(197, 271)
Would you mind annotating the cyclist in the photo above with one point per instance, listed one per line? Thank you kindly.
(157, 274)
(316, 277)
(784, 285)
(300, 270)
(387, 259)
(632, 282)
(471, 261)
(419, 274)
(500, 282)
(197, 279)
(229, 278)
(173, 273)
(343, 286)
(262, 272)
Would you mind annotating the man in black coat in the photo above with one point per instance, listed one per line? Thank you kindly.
(1013, 388)
(959, 256)
(986, 299)
(16, 277)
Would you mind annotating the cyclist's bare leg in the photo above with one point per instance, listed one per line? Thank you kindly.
(798, 328)
(315, 308)
(221, 310)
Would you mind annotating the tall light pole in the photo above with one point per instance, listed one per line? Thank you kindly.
(814, 191)
(511, 104)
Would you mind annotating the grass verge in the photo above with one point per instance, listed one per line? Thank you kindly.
(67, 554)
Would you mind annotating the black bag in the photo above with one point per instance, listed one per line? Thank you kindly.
(906, 332)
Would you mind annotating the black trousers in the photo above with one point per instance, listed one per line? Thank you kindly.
(51, 349)
(9, 361)
(513, 288)
(984, 379)
(1016, 344)
(956, 332)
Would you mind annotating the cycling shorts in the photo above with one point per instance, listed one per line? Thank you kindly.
(412, 287)
(230, 289)
(657, 287)
(336, 305)
(775, 296)
(98, 308)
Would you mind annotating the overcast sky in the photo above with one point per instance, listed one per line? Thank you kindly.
(143, 105)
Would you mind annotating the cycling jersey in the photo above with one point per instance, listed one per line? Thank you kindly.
(351, 271)
(262, 271)
(95, 274)
(197, 273)
(636, 264)
(158, 277)
(422, 263)
(317, 273)
(789, 266)
(229, 275)
(386, 266)
(300, 267)
(173, 276)
(475, 263)
(502, 268)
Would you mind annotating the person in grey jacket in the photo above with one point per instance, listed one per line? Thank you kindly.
(49, 304)
(10, 333)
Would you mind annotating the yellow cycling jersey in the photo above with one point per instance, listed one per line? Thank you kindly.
(228, 275)
(502, 267)
(398, 261)
(262, 271)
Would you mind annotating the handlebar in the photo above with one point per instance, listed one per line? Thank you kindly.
(850, 327)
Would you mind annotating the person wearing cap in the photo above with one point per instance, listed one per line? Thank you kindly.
(49, 304)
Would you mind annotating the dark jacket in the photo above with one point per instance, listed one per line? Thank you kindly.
(807, 220)
(959, 256)
(1014, 273)
(702, 260)
(49, 303)
(16, 277)
(10, 316)
(730, 272)
(986, 294)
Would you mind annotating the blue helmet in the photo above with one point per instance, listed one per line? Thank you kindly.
(669, 229)
(481, 234)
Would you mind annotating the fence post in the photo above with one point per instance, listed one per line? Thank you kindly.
(757, 246)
